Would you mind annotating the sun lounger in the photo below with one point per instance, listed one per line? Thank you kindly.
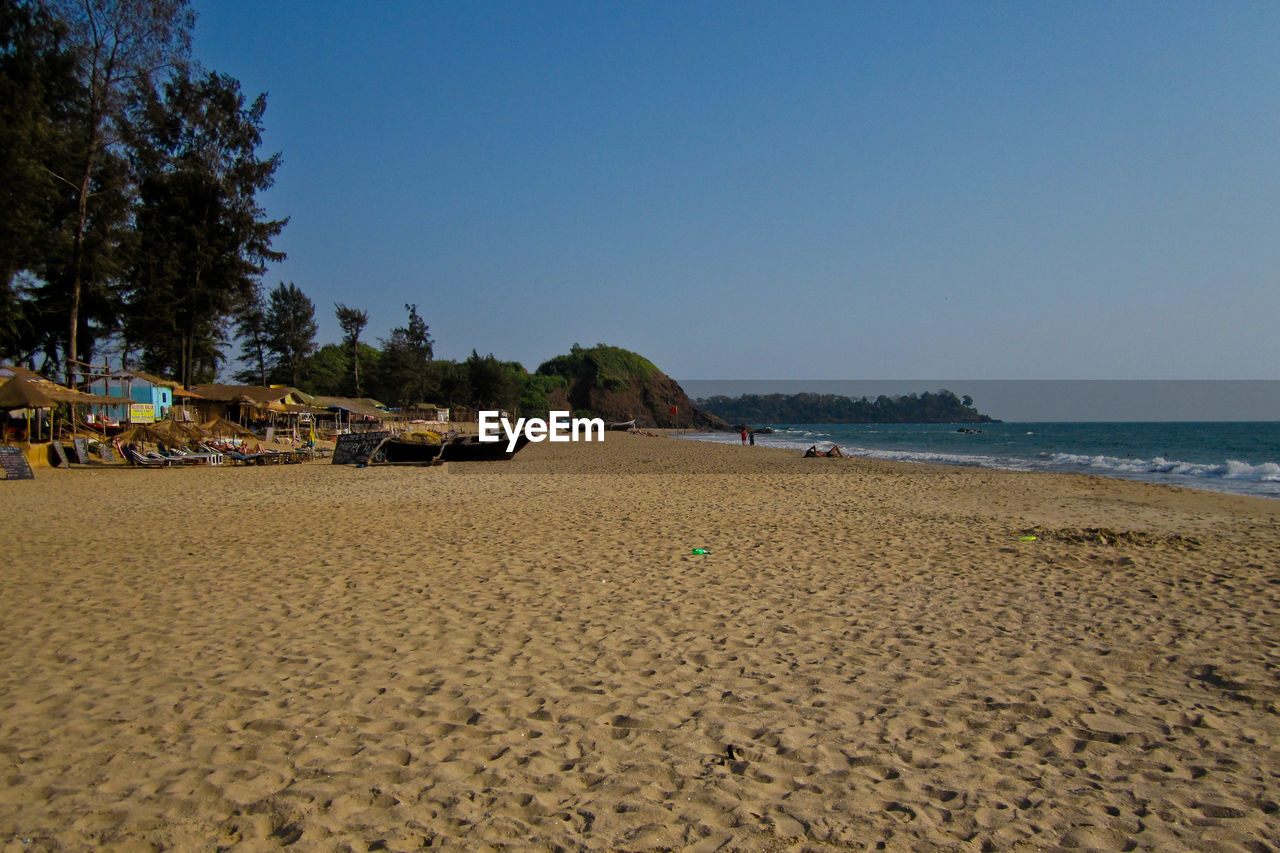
(216, 457)
(247, 458)
(160, 457)
(145, 461)
(175, 457)
(190, 457)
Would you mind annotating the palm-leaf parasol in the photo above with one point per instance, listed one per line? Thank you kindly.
(221, 427)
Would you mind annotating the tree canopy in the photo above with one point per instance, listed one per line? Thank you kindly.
(352, 322)
(202, 241)
(128, 187)
(120, 47)
(291, 333)
(929, 407)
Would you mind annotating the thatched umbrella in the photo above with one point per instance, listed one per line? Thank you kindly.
(221, 427)
(147, 433)
(179, 432)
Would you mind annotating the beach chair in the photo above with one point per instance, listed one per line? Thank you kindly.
(247, 458)
(190, 457)
(175, 456)
(153, 456)
(216, 457)
(143, 461)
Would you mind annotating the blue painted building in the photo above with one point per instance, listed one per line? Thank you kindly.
(152, 396)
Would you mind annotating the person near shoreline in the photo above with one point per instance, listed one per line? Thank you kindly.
(814, 451)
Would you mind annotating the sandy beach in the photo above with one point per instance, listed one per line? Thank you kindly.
(528, 656)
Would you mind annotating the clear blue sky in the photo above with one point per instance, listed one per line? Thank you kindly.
(1082, 190)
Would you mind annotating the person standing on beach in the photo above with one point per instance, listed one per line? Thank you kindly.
(753, 438)
(744, 435)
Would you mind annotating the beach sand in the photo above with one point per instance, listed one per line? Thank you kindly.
(528, 656)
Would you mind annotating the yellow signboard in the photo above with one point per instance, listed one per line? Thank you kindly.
(142, 413)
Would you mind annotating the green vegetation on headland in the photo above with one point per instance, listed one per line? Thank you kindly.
(942, 407)
(621, 386)
(609, 367)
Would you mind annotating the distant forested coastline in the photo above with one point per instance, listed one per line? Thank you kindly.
(941, 407)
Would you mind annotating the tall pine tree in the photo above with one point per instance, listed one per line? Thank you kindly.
(352, 323)
(202, 240)
(291, 332)
(120, 47)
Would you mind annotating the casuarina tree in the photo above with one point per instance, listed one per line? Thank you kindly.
(202, 240)
(352, 323)
(251, 327)
(291, 332)
(405, 367)
(120, 47)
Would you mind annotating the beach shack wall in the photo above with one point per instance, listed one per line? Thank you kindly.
(152, 396)
(354, 413)
(243, 403)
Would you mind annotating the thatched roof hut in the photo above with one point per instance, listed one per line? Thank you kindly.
(21, 392)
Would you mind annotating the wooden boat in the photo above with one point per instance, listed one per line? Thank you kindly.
(469, 448)
(621, 426)
(398, 451)
(381, 448)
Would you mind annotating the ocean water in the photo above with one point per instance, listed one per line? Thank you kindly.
(1243, 458)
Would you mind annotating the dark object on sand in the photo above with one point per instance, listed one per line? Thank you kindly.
(416, 449)
(395, 451)
(469, 448)
(355, 448)
(814, 451)
(14, 464)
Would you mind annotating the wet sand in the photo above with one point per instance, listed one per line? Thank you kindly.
(527, 655)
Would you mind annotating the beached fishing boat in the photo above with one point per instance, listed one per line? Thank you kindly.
(380, 448)
(469, 448)
(403, 450)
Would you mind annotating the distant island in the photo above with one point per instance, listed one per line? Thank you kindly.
(942, 407)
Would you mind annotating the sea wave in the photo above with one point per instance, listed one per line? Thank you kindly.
(1266, 472)
(1231, 475)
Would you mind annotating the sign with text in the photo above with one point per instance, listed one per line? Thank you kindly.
(142, 413)
(355, 448)
(15, 464)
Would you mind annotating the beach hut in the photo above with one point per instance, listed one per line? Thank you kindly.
(353, 410)
(20, 392)
(150, 397)
(244, 403)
